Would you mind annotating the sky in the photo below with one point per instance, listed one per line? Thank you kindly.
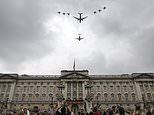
(35, 39)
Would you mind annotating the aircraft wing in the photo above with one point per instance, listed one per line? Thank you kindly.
(77, 38)
(76, 18)
(84, 17)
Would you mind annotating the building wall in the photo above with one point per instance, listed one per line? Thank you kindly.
(102, 91)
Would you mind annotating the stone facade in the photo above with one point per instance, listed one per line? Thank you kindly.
(77, 90)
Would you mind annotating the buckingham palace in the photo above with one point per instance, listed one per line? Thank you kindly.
(77, 89)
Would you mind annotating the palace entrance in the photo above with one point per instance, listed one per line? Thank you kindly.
(75, 109)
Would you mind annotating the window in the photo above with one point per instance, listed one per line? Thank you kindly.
(43, 97)
(149, 96)
(153, 96)
(105, 97)
(74, 89)
(98, 97)
(118, 88)
(119, 97)
(50, 97)
(104, 88)
(3, 88)
(111, 88)
(38, 88)
(16, 97)
(24, 88)
(30, 97)
(37, 97)
(69, 89)
(9, 87)
(2, 96)
(131, 88)
(23, 97)
(143, 97)
(141, 87)
(126, 96)
(125, 88)
(133, 97)
(146, 87)
(80, 93)
(112, 97)
(98, 88)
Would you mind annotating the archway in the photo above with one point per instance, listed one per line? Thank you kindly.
(75, 109)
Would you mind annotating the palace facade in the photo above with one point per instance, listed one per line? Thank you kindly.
(77, 90)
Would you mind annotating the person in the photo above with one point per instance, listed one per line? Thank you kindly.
(91, 112)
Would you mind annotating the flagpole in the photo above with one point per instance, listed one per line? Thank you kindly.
(74, 66)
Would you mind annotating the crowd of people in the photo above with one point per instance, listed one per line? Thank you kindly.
(63, 110)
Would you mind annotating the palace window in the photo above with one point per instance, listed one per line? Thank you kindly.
(125, 88)
(80, 93)
(131, 88)
(133, 97)
(30, 97)
(37, 97)
(3, 88)
(69, 90)
(50, 97)
(74, 89)
(38, 88)
(119, 97)
(23, 97)
(112, 97)
(2, 96)
(149, 96)
(126, 96)
(141, 87)
(105, 97)
(146, 87)
(118, 88)
(104, 88)
(16, 97)
(111, 88)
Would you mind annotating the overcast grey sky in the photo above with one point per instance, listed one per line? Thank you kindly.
(35, 39)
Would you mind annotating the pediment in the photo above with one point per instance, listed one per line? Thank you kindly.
(8, 76)
(143, 75)
(74, 75)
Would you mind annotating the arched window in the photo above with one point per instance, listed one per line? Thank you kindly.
(37, 97)
(105, 96)
(30, 97)
(112, 97)
(119, 97)
(126, 96)
(23, 97)
(43, 97)
(99, 96)
(133, 97)
(149, 96)
(16, 97)
(50, 97)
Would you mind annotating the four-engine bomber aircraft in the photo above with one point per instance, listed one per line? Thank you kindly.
(79, 38)
(80, 18)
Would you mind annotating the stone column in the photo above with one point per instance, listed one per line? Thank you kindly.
(11, 94)
(12, 89)
(138, 91)
(71, 90)
(65, 92)
(77, 91)
(83, 89)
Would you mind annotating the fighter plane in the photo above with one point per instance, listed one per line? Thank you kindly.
(79, 38)
(80, 18)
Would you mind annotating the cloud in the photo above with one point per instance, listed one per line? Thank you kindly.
(35, 38)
